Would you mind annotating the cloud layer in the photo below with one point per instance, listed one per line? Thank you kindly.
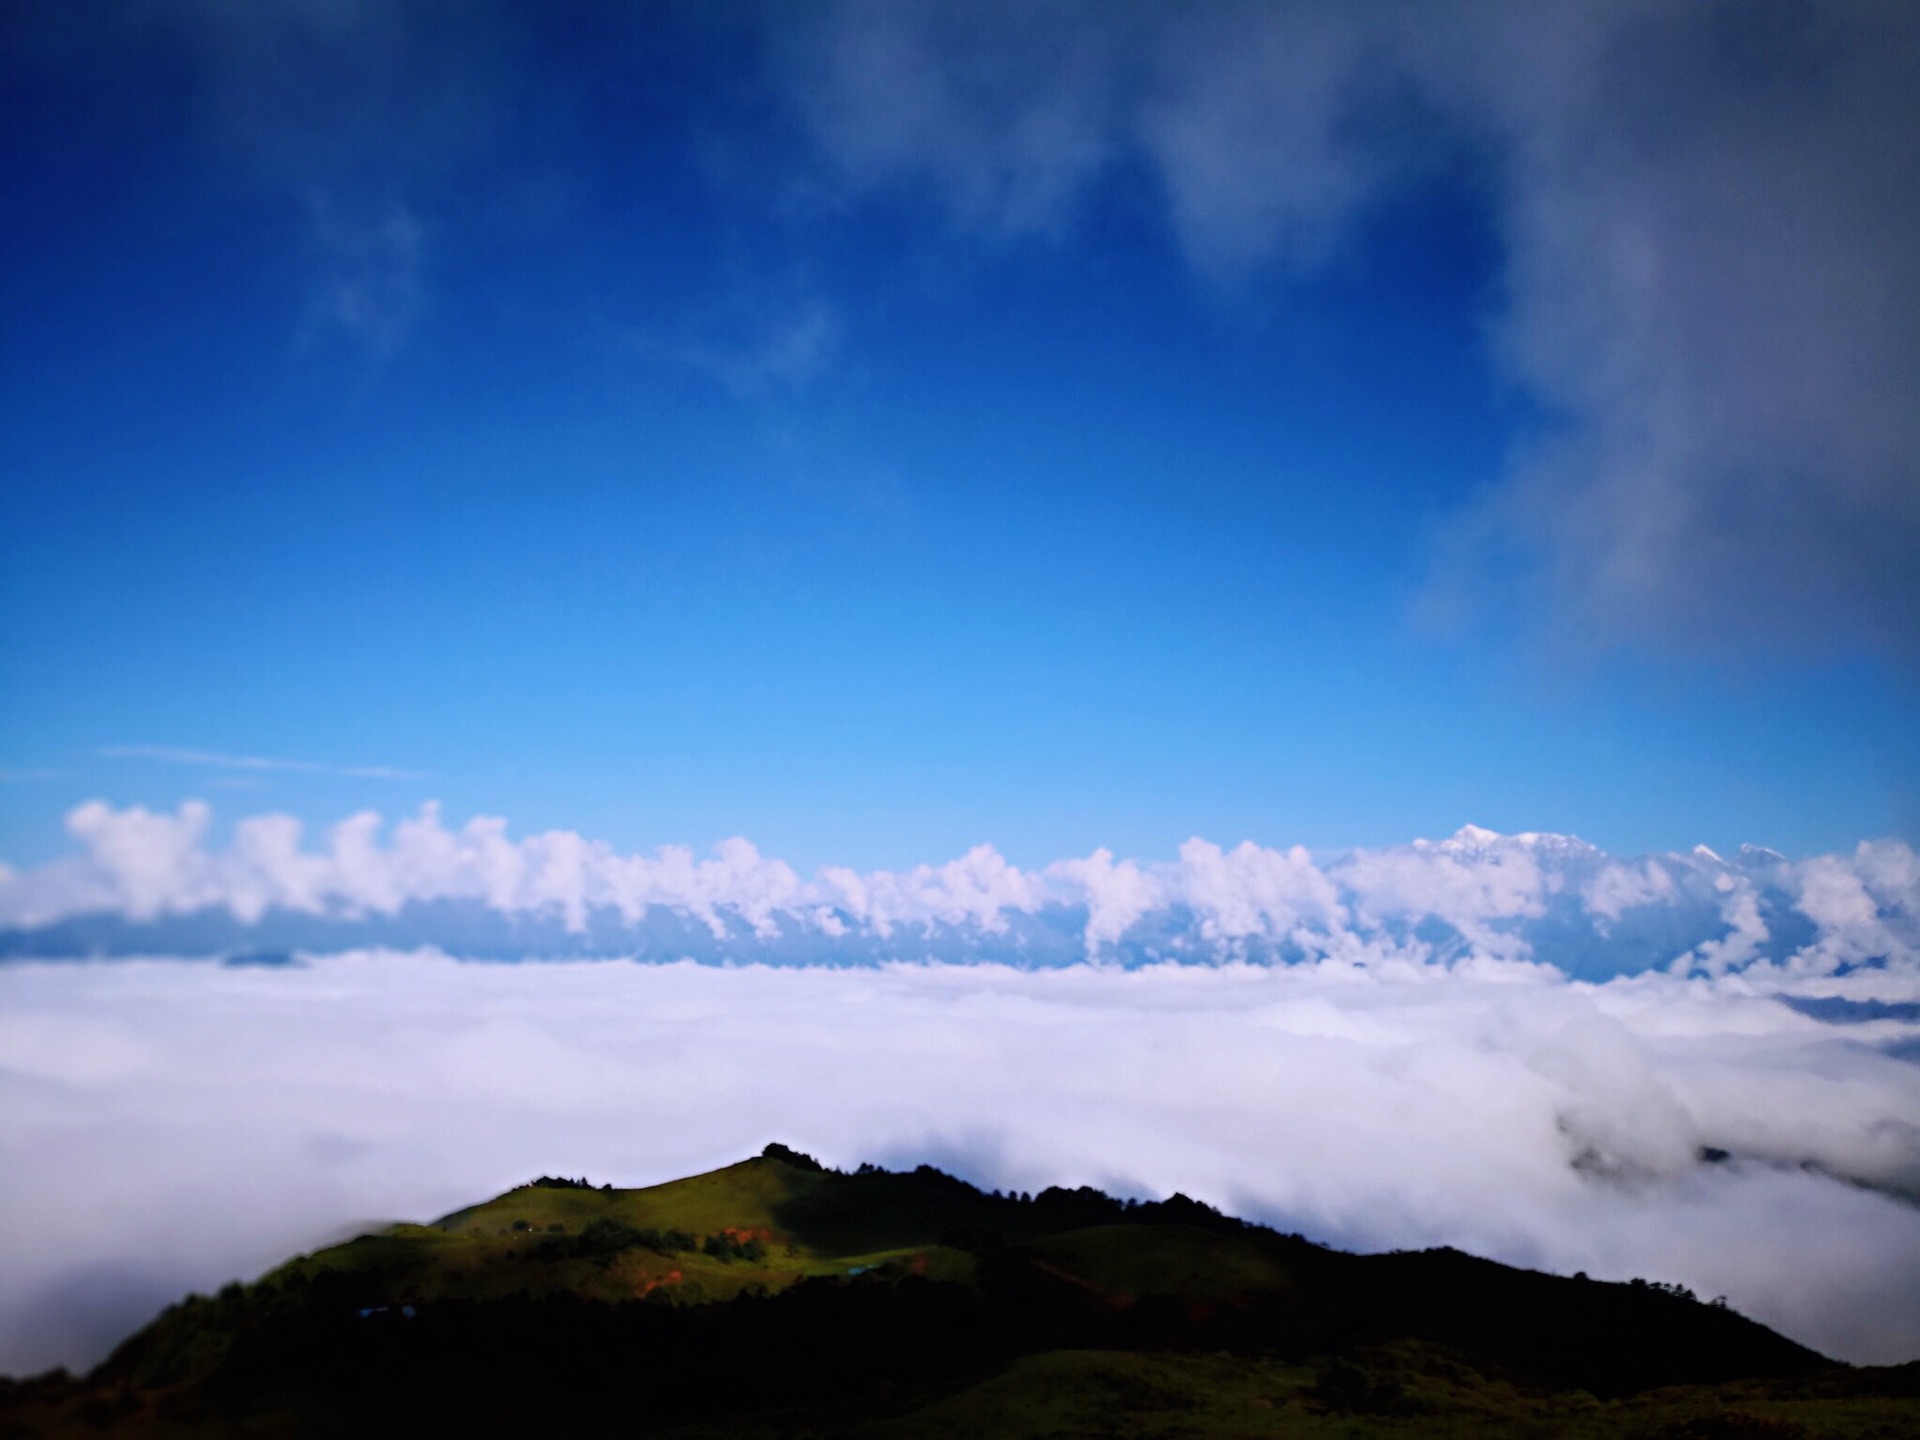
(151, 882)
(166, 1125)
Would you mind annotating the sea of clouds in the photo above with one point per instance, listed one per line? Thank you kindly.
(1380, 1049)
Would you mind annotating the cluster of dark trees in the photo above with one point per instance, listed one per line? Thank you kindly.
(1054, 1208)
(560, 1182)
(1348, 1389)
(796, 1158)
(723, 1246)
(603, 1238)
(1679, 1292)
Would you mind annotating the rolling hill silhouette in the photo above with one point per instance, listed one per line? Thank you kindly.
(777, 1297)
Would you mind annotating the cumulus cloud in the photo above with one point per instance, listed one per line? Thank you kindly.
(167, 1124)
(1470, 882)
(1711, 231)
(1862, 908)
(1619, 888)
(1746, 929)
(1474, 897)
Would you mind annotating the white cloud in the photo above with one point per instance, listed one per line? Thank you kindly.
(1866, 905)
(1251, 890)
(1116, 895)
(167, 1124)
(1746, 930)
(977, 889)
(151, 862)
(1470, 882)
(1620, 888)
(1475, 898)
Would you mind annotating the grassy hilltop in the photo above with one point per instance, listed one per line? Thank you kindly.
(775, 1297)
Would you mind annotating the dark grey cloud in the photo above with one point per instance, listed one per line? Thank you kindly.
(1714, 242)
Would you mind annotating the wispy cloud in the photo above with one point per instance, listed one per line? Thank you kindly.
(1710, 232)
(359, 118)
(215, 760)
(757, 348)
(368, 284)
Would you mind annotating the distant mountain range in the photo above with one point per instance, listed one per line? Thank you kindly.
(775, 1297)
(473, 892)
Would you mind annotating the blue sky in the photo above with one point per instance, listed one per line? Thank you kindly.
(894, 428)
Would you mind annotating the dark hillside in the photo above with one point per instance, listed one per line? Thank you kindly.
(779, 1297)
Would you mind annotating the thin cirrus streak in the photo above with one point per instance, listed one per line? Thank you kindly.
(151, 882)
(217, 760)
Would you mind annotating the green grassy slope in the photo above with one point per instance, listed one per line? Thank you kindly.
(775, 1297)
(1408, 1393)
